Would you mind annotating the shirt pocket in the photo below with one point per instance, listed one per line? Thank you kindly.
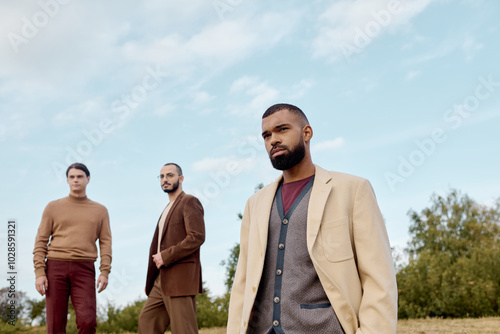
(336, 240)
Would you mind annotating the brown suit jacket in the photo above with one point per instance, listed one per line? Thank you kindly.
(183, 234)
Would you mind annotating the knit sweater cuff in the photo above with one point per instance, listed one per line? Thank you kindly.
(105, 273)
(40, 272)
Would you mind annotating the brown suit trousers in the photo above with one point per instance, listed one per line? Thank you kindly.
(160, 311)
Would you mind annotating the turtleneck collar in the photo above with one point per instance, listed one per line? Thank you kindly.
(77, 199)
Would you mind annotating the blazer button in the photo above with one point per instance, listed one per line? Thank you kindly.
(281, 246)
(278, 272)
(276, 300)
(285, 221)
(276, 323)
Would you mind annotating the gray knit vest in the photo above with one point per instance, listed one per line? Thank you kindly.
(291, 298)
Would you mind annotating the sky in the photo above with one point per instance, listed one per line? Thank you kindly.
(403, 93)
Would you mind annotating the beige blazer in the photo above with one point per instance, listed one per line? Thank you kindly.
(349, 248)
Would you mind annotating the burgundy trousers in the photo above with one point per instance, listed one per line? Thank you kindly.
(75, 279)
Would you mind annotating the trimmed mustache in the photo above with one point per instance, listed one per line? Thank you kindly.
(277, 147)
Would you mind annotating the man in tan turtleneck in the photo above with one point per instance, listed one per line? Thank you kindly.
(65, 252)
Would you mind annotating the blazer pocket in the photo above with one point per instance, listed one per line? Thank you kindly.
(315, 306)
(336, 240)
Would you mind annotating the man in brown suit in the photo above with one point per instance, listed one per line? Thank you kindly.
(174, 271)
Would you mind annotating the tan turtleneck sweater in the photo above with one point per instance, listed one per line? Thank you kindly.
(74, 224)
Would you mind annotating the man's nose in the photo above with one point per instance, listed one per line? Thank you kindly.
(275, 140)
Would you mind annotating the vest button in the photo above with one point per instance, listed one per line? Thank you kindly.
(278, 272)
(276, 323)
(276, 300)
(281, 246)
(285, 221)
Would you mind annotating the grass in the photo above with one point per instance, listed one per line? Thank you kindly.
(218, 330)
(449, 326)
(428, 326)
(419, 326)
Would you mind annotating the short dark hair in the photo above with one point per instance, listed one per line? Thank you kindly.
(80, 166)
(285, 106)
(179, 169)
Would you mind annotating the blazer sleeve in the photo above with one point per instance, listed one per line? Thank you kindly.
(195, 233)
(378, 308)
(239, 283)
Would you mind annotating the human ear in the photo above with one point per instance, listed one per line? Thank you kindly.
(307, 133)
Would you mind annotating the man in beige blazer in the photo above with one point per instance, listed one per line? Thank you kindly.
(314, 252)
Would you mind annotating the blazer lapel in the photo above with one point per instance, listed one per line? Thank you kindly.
(167, 219)
(319, 195)
(264, 206)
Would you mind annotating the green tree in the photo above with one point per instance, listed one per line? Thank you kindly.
(213, 312)
(118, 320)
(230, 266)
(210, 312)
(234, 253)
(37, 311)
(12, 304)
(454, 260)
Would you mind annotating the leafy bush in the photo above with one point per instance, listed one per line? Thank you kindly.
(211, 312)
(121, 320)
(454, 260)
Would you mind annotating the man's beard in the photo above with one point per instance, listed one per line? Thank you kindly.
(290, 159)
(175, 186)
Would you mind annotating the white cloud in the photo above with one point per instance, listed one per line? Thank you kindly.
(261, 93)
(243, 83)
(347, 27)
(202, 97)
(85, 112)
(164, 109)
(217, 46)
(410, 45)
(300, 89)
(67, 44)
(74, 59)
(19, 124)
(329, 144)
(470, 47)
(439, 52)
(224, 163)
(412, 74)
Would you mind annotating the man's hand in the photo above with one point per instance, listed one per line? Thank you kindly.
(158, 260)
(102, 283)
(42, 285)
